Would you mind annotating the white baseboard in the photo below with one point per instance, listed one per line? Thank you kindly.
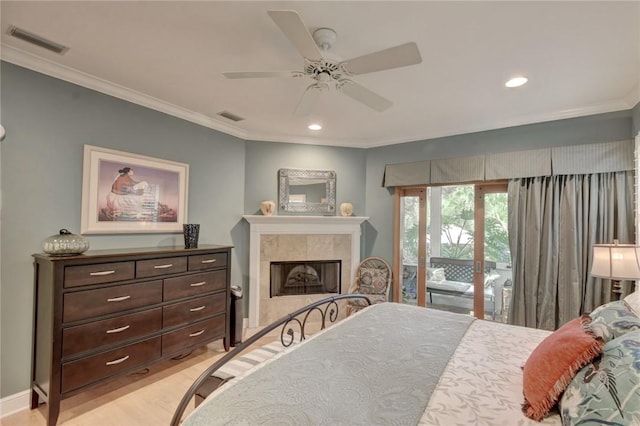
(13, 403)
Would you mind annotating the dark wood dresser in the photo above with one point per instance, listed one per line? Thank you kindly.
(107, 313)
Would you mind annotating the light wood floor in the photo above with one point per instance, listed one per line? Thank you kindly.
(135, 400)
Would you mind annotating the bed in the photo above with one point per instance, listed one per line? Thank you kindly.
(387, 364)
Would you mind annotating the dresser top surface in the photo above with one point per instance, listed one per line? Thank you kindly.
(141, 251)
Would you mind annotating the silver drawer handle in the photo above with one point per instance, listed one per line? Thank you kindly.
(118, 330)
(197, 333)
(118, 299)
(97, 274)
(209, 261)
(117, 361)
(198, 284)
(199, 308)
(168, 265)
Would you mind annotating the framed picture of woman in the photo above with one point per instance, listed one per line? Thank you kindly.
(131, 193)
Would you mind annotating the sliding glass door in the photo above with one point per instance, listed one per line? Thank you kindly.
(452, 248)
(410, 247)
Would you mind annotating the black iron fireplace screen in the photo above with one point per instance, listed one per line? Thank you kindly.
(307, 277)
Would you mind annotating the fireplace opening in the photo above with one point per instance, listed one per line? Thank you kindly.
(307, 277)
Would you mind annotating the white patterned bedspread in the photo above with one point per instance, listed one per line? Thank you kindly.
(482, 384)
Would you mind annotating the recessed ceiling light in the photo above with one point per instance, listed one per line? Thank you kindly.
(516, 82)
(315, 126)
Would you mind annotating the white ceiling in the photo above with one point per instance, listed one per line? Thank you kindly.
(581, 58)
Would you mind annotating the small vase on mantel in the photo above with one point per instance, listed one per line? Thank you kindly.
(267, 207)
(346, 209)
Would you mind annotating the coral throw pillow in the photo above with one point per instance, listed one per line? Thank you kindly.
(554, 362)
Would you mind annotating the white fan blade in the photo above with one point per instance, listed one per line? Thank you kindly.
(292, 26)
(309, 98)
(364, 95)
(259, 74)
(393, 57)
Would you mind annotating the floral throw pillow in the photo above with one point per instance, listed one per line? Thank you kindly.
(605, 391)
(373, 283)
(373, 280)
(613, 319)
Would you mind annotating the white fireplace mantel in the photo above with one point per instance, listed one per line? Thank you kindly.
(269, 225)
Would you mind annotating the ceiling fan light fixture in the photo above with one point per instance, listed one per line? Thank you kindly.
(516, 81)
(314, 126)
(328, 71)
(325, 38)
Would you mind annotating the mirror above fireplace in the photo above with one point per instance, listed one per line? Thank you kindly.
(303, 191)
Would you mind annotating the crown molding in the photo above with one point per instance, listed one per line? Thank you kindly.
(50, 68)
(27, 60)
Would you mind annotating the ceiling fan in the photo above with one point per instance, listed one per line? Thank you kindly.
(326, 71)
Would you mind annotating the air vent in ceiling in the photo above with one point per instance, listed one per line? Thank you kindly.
(37, 40)
(230, 116)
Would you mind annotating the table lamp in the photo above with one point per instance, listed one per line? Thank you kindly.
(616, 262)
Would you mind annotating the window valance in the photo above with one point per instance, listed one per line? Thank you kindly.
(403, 174)
(566, 160)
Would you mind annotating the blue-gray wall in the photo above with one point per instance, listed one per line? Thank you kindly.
(48, 122)
(264, 159)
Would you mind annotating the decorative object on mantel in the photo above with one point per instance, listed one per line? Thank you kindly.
(346, 209)
(191, 232)
(65, 244)
(267, 207)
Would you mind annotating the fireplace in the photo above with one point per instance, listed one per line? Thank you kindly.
(307, 277)
(301, 239)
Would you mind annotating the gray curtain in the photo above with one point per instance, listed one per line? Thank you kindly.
(553, 223)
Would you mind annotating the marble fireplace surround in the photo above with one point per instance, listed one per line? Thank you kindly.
(296, 238)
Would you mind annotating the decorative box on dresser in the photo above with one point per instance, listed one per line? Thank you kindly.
(107, 313)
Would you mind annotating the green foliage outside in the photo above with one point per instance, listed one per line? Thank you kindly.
(458, 226)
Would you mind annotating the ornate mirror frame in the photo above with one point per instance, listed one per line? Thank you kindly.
(307, 191)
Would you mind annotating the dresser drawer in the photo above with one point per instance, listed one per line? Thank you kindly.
(193, 335)
(163, 266)
(94, 335)
(88, 370)
(75, 276)
(92, 303)
(192, 285)
(193, 310)
(207, 261)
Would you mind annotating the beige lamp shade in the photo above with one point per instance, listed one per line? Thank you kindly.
(616, 261)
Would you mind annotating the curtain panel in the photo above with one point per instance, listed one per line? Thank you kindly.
(553, 223)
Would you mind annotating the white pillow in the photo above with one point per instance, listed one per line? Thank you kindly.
(633, 300)
(489, 279)
(435, 274)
